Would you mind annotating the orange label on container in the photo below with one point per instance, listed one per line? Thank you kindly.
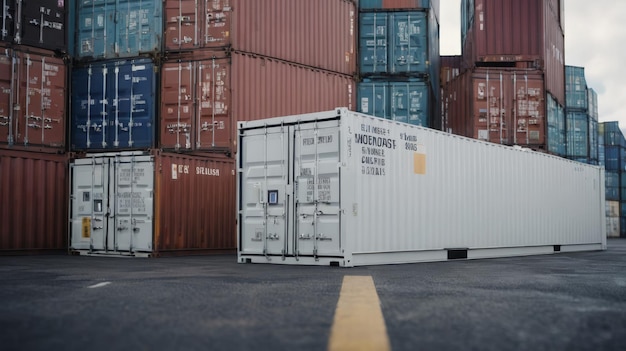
(419, 163)
(86, 232)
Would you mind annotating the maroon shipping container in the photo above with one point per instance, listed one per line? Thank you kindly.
(205, 92)
(450, 68)
(152, 204)
(504, 106)
(32, 99)
(318, 33)
(33, 202)
(522, 34)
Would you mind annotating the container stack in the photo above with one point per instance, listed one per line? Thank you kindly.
(399, 60)
(582, 117)
(157, 89)
(33, 110)
(513, 89)
(614, 160)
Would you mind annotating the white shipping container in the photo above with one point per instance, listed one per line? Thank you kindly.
(343, 188)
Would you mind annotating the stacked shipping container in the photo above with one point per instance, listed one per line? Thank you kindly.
(582, 117)
(33, 110)
(153, 93)
(513, 90)
(613, 158)
(399, 60)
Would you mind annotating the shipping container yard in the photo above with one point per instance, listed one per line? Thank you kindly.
(100, 101)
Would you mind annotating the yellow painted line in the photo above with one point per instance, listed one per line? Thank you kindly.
(359, 323)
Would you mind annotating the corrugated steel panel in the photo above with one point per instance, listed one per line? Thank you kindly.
(450, 68)
(338, 187)
(202, 97)
(159, 204)
(509, 32)
(613, 209)
(264, 87)
(317, 33)
(121, 28)
(406, 102)
(33, 84)
(40, 24)
(615, 158)
(33, 201)
(593, 103)
(504, 106)
(113, 105)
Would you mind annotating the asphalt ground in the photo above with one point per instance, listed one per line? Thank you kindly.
(565, 301)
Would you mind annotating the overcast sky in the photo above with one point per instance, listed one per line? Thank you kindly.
(595, 38)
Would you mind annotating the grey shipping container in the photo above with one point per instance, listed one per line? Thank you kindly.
(347, 189)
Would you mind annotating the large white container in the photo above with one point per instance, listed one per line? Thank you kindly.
(347, 189)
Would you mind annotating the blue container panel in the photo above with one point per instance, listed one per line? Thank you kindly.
(410, 102)
(374, 99)
(622, 226)
(577, 135)
(556, 141)
(373, 42)
(593, 139)
(612, 194)
(614, 158)
(118, 28)
(409, 43)
(612, 178)
(113, 105)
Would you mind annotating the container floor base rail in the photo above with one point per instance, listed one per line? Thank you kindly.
(402, 257)
(113, 254)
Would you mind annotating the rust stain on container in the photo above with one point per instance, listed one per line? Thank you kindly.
(33, 201)
(205, 92)
(498, 105)
(32, 99)
(522, 34)
(317, 33)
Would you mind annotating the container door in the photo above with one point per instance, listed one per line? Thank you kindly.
(131, 227)
(264, 183)
(90, 204)
(316, 176)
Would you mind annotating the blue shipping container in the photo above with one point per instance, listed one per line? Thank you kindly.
(398, 43)
(612, 194)
(575, 88)
(113, 105)
(118, 28)
(406, 102)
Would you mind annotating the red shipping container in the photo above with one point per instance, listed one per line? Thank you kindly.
(205, 92)
(504, 106)
(33, 202)
(33, 110)
(152, 204)
(522, 34)
(317, 33)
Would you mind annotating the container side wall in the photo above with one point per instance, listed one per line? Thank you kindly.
(34, 196)
(202, 219)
